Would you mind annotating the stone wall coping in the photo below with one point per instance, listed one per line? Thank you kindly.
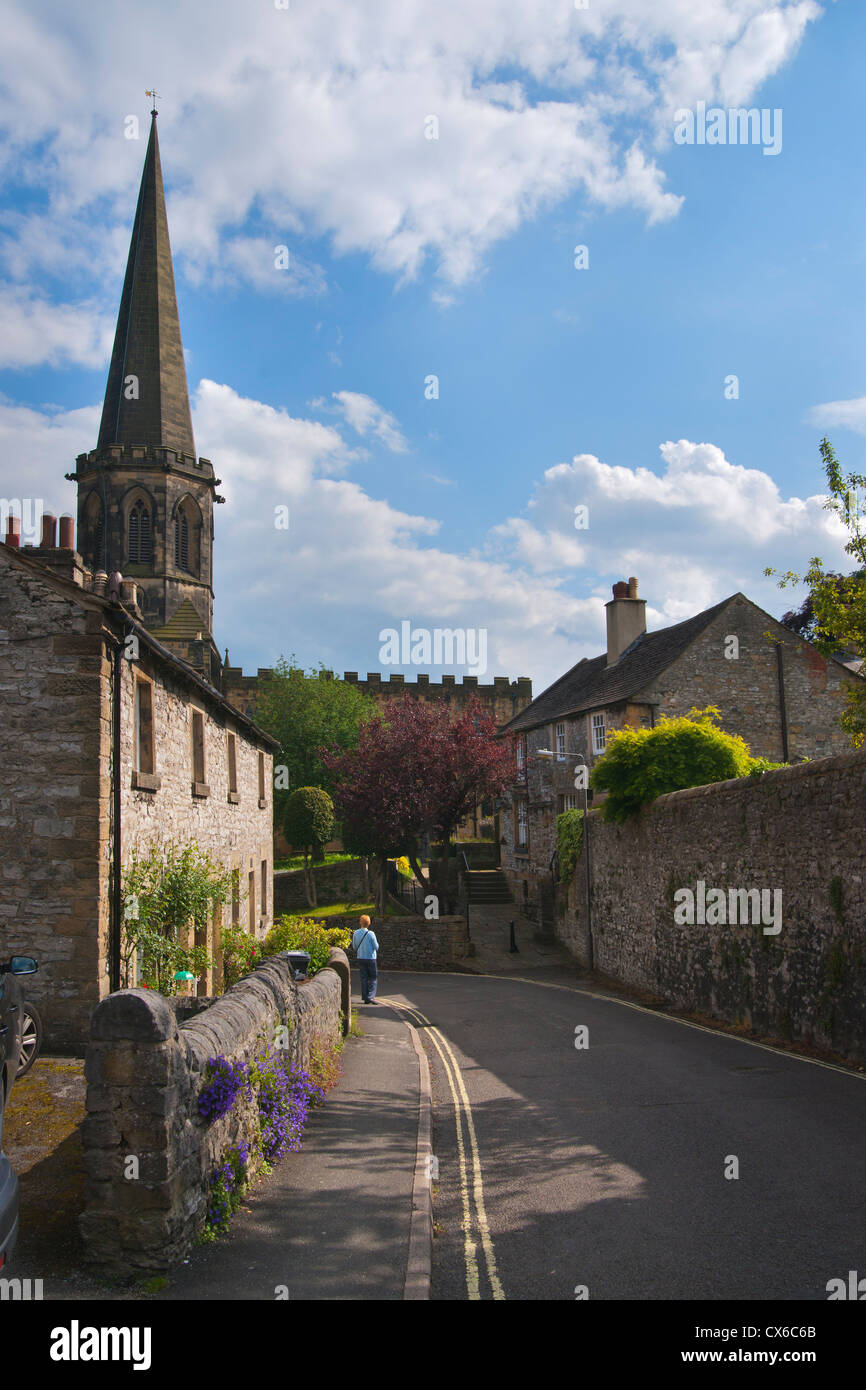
(145, 1016)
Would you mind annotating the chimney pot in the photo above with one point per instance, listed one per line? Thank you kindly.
(67, 533)
(13, 532)
(626, 619)
(100, 579)
(49, 531)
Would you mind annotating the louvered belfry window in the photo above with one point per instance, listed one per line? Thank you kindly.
(98, 545)
(181, 542)
(140, 547)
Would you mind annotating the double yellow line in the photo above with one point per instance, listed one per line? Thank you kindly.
(463, 1119)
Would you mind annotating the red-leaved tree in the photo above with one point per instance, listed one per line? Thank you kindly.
(416, 773)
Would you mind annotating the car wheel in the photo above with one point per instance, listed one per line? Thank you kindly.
(31, 1038)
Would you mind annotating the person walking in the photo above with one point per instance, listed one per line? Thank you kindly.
(366, 949)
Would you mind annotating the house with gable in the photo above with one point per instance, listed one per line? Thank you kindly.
(771, 686)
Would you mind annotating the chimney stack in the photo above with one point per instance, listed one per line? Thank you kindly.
(626, 619)
(49, 532)
(13, 532)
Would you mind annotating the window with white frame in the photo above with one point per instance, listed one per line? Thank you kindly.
(521, 757)
(560, 743)
(569, 802)
(598, 733)
(522, 825)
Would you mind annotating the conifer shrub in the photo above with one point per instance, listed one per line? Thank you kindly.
(689, 751)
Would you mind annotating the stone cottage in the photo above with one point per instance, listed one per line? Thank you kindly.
(771, 686)
(109, 743)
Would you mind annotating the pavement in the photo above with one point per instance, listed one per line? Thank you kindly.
(489, 927)
(335, 1220)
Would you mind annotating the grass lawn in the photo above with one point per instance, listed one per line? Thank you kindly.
(296, 861)
(344, 910)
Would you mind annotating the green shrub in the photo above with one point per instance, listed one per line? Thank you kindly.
(758, 766)
(241, 954)
(304, 934)
(569, 838)
(641, 764)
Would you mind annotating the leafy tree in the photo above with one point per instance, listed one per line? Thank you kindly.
(416, 773)
(166, 893)
(836, 616)
(304, 711)
(641, 764)
(308, 822)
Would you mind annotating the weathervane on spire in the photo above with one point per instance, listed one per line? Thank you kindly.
(153, 94)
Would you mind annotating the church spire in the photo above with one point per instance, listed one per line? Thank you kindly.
(146, 399)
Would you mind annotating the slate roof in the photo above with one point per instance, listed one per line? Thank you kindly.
(592, 684)
(147, 344)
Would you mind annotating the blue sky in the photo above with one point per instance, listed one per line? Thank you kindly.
(408, 257)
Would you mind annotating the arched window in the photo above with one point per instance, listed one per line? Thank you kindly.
(181, 542)
(140, 543)
(187, 537)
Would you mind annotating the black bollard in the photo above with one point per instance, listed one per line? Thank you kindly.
(513, 947)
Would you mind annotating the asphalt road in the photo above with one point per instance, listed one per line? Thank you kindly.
(600, 1171)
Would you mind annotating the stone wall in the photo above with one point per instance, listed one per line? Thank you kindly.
(335, 883)
(411, 943)
(145, 1074)
(53, 805)
(799, 831)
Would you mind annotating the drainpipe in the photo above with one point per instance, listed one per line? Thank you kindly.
(780, 671)
(590, 953)
(114, 935)
(116, 905)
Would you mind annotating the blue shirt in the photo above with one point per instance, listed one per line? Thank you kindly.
(365, 944)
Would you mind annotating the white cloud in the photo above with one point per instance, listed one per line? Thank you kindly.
(37, 331)
(697, 531)
(367, 417)
(311, 121)
(350, 564)
(846, 415)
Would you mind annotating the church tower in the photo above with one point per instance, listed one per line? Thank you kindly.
(145, 501)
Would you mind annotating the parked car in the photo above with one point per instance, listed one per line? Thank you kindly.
(31, 1037)
(12, 1012)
